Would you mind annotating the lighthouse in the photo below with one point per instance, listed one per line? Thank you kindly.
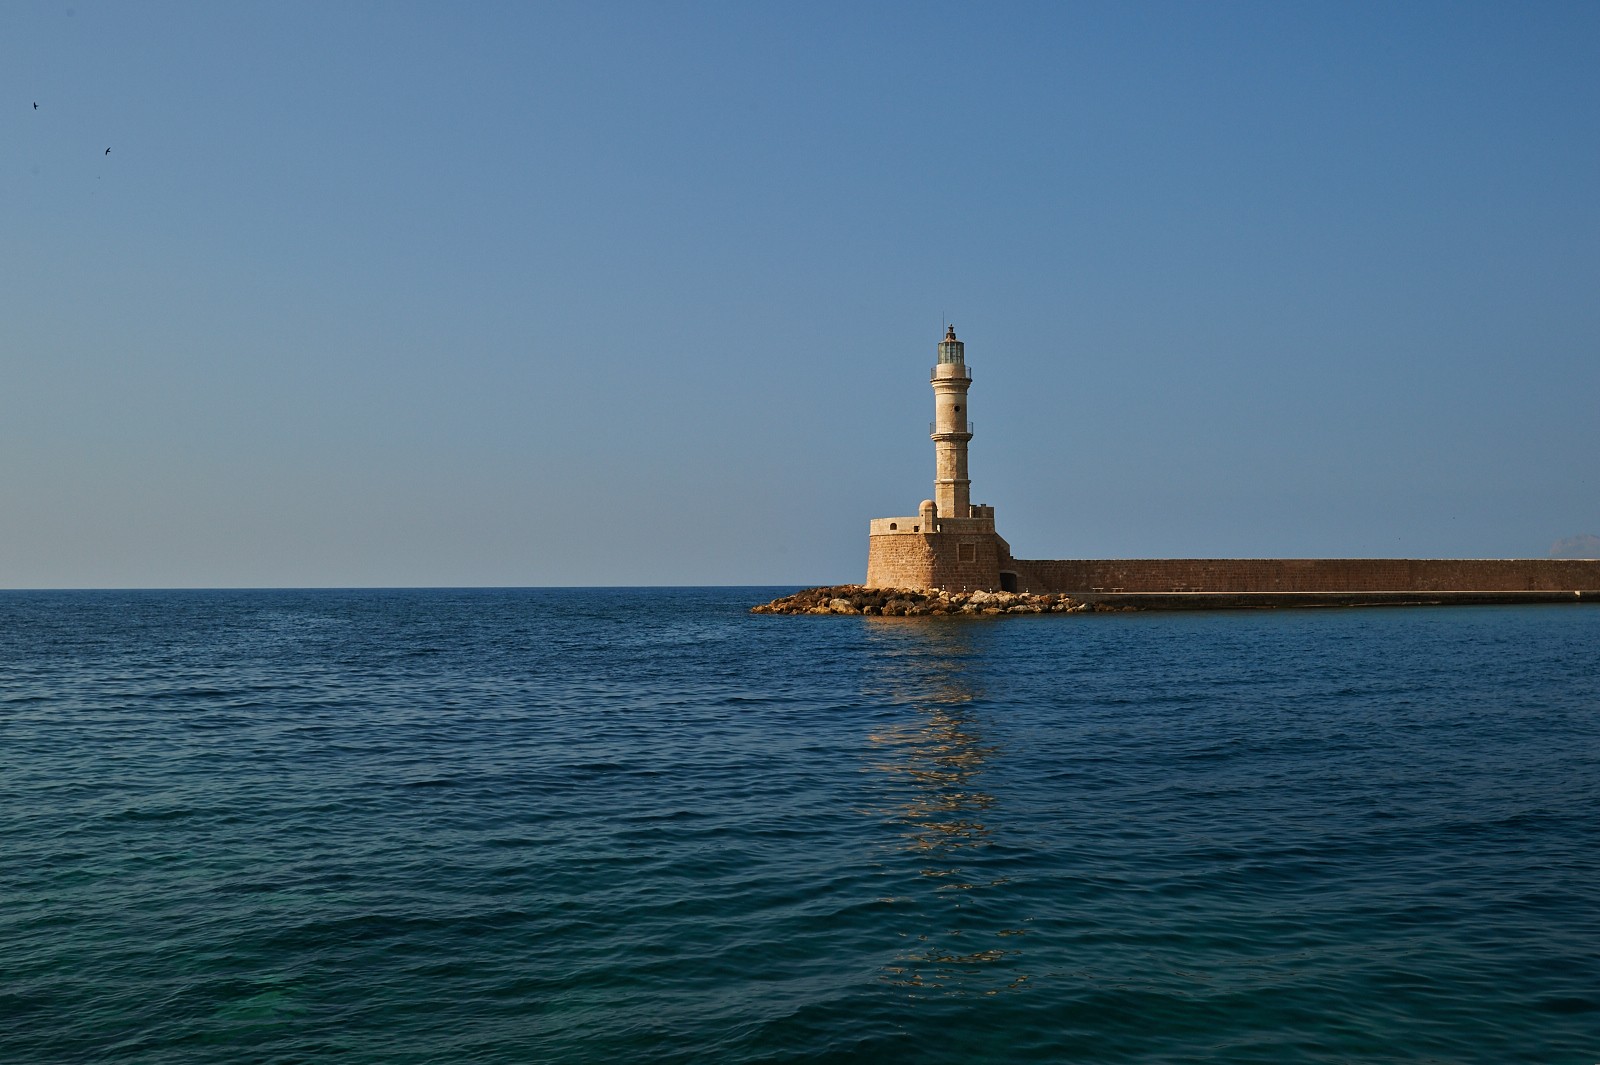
(952, 488)
(949, 542)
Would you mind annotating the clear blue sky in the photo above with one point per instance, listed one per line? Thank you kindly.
(601, 293)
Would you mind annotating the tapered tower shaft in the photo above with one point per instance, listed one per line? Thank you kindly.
(952, 489)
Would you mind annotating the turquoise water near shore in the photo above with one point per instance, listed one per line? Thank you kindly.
(610, 824)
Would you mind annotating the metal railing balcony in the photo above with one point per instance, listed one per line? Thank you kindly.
(933, 429)
(966, 368)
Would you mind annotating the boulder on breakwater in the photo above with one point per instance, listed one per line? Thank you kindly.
(906, 602)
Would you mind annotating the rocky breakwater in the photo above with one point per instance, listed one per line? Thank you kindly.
(905, 602)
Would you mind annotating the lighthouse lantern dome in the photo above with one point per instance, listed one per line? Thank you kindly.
(951, 350)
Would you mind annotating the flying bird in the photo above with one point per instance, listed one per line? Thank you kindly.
(108, 151)
(36, 105)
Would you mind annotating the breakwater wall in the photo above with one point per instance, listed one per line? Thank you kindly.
(1306, 575)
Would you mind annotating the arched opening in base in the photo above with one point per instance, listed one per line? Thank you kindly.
(1008, 581)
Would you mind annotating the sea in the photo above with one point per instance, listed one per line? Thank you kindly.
(641, 824)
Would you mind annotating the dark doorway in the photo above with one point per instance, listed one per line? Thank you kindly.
(1008, 581)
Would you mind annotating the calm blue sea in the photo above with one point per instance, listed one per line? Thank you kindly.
(497, 826)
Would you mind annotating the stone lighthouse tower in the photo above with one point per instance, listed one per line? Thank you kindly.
(952, 488)
(949, 542)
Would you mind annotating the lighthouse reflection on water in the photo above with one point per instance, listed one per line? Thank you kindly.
(931, 758)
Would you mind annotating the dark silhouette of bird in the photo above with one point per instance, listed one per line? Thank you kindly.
(36, 105)
(108, 151)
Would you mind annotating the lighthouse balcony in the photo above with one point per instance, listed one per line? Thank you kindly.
(951, 371)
